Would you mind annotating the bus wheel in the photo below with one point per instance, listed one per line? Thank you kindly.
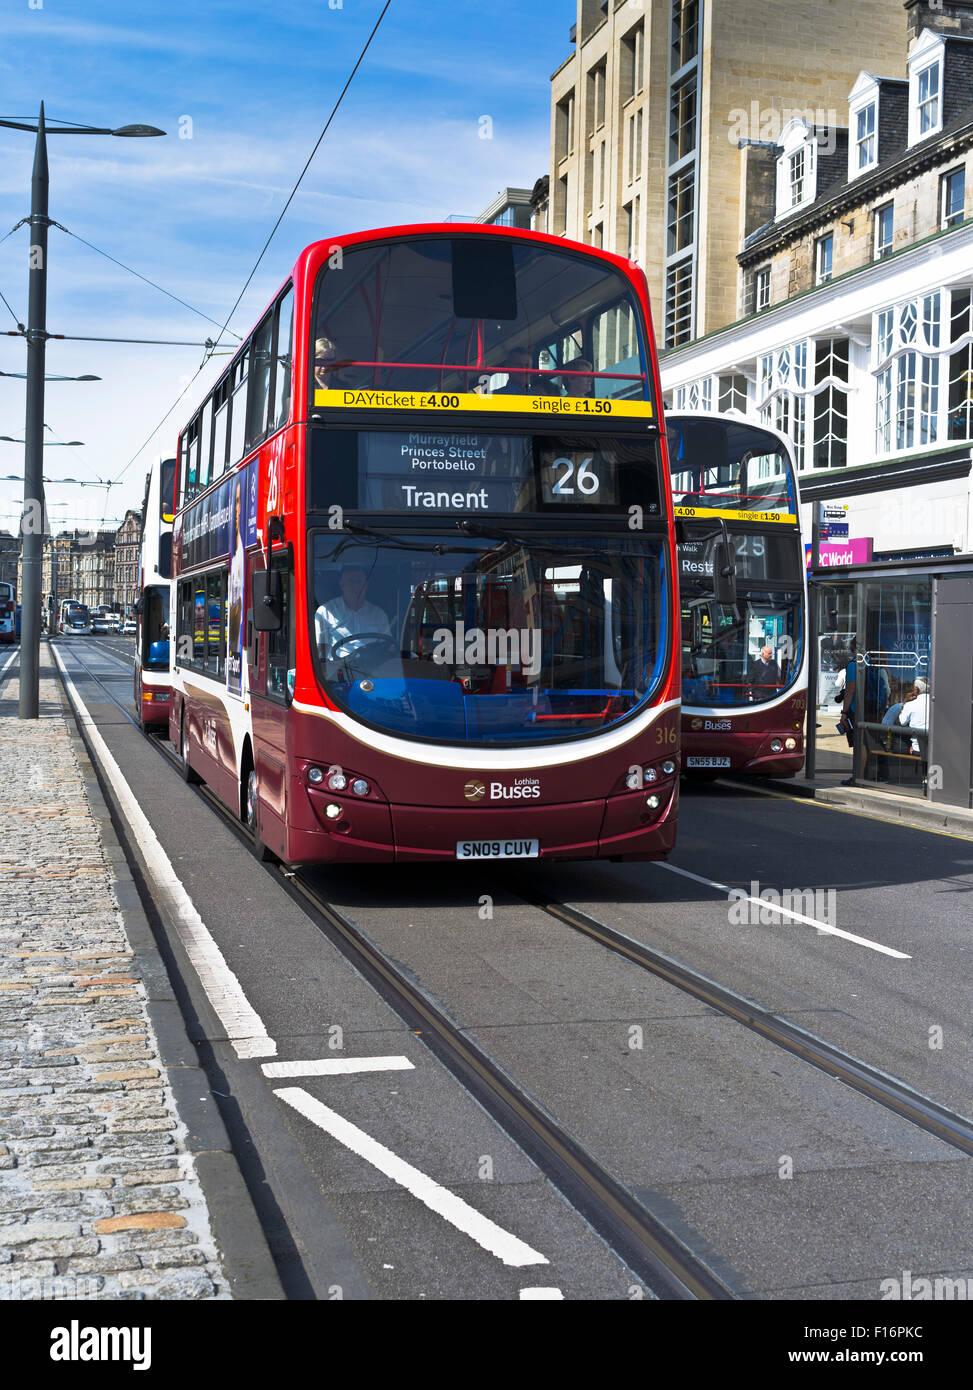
(250, 809)
(188, 775)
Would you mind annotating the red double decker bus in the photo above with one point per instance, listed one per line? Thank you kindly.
(424, 559)
(743, 590)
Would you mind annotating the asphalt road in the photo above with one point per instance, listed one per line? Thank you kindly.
(788, 1183)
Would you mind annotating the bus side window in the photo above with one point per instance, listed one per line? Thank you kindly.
(280, 644)
(282, 383)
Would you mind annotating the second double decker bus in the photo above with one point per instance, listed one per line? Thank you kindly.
(424, 559)
(8, 613)
(151, 676)
(743, 591)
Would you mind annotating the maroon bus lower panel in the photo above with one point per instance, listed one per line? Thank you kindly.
(620, 827)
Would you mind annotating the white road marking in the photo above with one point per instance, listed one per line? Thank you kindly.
(439, 1199)
(538, 1294)
(787, 912)
(244, 1027)
(9, 662)
(336, 1066)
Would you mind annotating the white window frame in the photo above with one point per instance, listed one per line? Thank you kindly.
(761, 289)
(927, 57)
(821, 276)
(944, 222)
(879, 253)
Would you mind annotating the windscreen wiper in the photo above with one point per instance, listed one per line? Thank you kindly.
(355, 528)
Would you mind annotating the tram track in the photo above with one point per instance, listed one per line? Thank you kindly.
(666, 1263)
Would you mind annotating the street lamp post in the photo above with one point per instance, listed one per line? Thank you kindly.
(32, 519)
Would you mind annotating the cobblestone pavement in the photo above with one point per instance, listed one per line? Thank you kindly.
(98, 1194)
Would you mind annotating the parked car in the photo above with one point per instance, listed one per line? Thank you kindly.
(103, 622)
(128, 627)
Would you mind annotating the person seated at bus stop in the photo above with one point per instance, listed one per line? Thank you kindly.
(348, 615)
(915, 712)
(764, 673)
(578, 378)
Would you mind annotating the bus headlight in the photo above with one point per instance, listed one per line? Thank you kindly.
(651, 775)
(652, 802)
(315, 775)
(668, 767)
(332, 810)
(337, 781)
(790, 744)
(633, 781)
(360, 786)
(776, 746)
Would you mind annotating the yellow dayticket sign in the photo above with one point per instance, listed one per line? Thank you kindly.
(738, 514)
(590, 406)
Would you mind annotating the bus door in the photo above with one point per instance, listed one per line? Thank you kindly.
(270, 658)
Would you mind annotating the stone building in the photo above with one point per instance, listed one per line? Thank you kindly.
(128, 540)
(855, 339)
(647, 113)
(95, 570)
(9, 559)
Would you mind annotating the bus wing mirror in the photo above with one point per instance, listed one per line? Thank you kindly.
(268, 600)
(724, 575)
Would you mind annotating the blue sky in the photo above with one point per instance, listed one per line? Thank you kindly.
(256, 81)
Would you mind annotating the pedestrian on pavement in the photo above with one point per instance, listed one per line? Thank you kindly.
(846, 724)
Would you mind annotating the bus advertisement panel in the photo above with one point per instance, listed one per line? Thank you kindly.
(426, 594)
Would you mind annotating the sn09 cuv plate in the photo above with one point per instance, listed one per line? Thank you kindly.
(497, 849)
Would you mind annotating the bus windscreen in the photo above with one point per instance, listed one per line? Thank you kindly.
(719, 467)
(481, 317)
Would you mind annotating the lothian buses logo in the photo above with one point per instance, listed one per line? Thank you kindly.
(474, 791)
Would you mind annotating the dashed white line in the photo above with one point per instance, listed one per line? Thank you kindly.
(446, 1204)
(9, 662)
(244, 1027)
(787, 912)
(539, 1295)
(336, 1066)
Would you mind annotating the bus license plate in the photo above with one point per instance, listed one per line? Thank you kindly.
(708, 762)
(497, 849)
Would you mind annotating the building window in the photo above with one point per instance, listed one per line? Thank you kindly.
(564, 127)
(633, 62)
(908, 344)
(599, 191)
(927, 85)
(561, 209)
(596, 96)
(865, 142)
(631, 212)
(733, 393)
(634, 145)
(598, 235)
(952, 198)
(685, 32)
(830, 430)
(883, 231)
(762, 288)
(796, 177)
(679, 303)
(682, 119)
(960, 405)
(823, 256)
(682, 202)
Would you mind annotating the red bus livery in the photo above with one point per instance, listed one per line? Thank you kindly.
(743, 593)
(423, 559)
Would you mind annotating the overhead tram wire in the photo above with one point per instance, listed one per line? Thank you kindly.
(212, 350)
(114, 260)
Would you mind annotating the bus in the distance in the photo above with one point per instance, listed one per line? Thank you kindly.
(73, 618)
(151, 679)
(424, 559)
(8, 612)
(743, 590)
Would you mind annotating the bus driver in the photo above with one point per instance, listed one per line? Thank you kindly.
(343, 617)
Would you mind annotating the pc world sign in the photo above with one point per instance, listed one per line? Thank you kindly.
(857, 551)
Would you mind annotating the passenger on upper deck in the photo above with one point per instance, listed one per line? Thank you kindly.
(584, 383)
(348, 615)
(520, 382)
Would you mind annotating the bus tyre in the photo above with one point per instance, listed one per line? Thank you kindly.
(188, 775)
(250, 815)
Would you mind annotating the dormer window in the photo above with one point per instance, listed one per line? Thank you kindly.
(926, 86)
(796, 167)
(865, 143)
